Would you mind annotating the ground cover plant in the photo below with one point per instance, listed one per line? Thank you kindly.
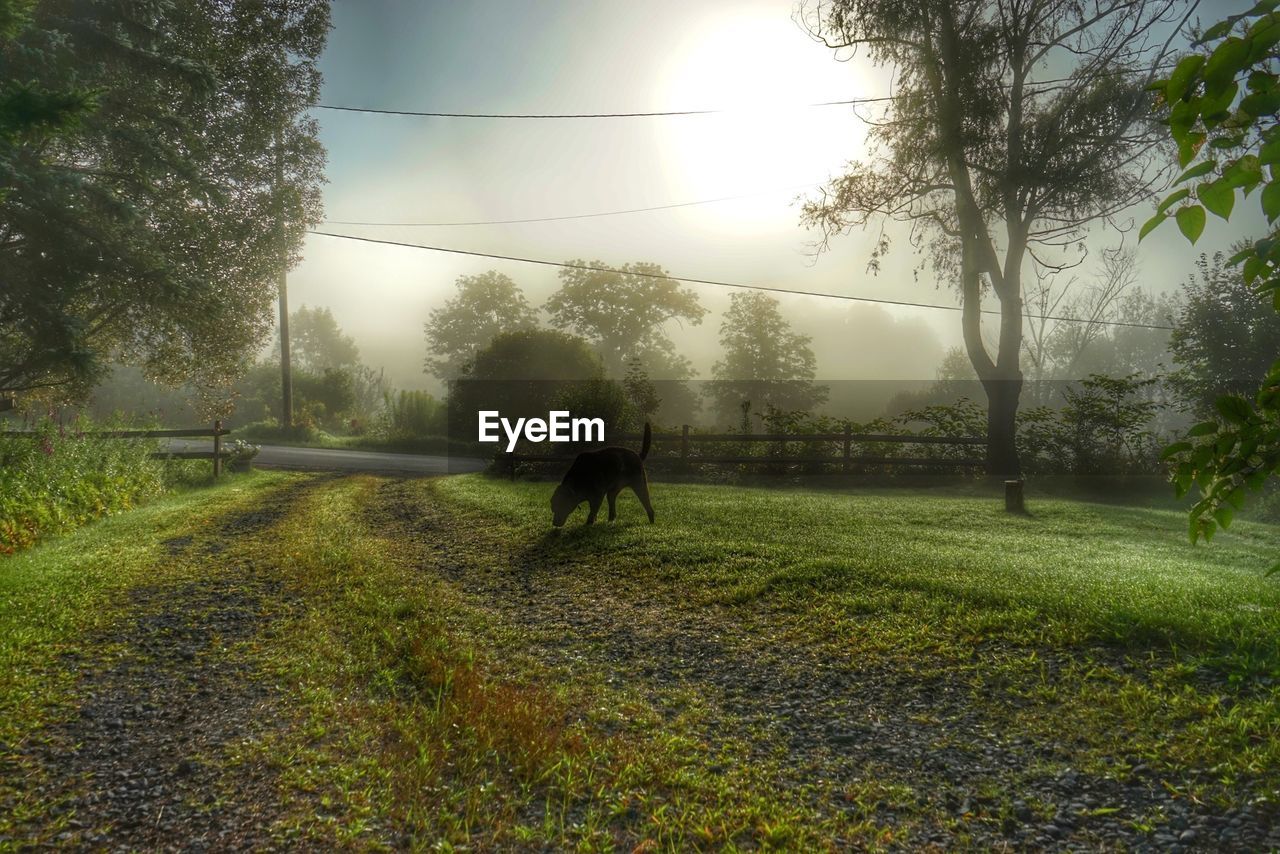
(365, 662)
(64, 477)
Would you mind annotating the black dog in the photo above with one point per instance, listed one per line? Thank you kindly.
(596, 475)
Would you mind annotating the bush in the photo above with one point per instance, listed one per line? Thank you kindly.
(412, 414)
(599, 398)
(63, 478)
(269, 430)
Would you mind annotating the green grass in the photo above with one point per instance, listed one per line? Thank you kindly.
(415, 705)
(1073, 571)
(1172, 650)
(55, 595)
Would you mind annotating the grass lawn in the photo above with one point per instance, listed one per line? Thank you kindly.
(429, 662)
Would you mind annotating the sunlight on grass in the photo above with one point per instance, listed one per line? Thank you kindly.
(1101, 571)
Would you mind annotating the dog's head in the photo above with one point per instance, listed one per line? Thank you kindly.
(563, 502)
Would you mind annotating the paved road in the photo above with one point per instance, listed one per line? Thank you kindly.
(326, 459)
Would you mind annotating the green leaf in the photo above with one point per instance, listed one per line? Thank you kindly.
(1208, 527)
(1216, 106)
(1191, 222)
(1227, 60)
(1263, 36)
(1240, 256)
(1254, 266)
(1196, 171)
(1175, 449)
(1261, 104)
(1169, 201)
(1182, 79)
(1244, 172)
(1204, 428)
(1224, 515)
(1189, 143)
(1260, 81)
(1218, 197)
(1151, 225)
(1271, 200)
(1217, 31)
(1270, 151)
(1234, 408)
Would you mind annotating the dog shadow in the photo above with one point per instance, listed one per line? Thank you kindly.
(572, 535)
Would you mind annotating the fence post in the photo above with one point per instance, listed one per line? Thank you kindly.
(217, 449)
(848, 447)
(684, 448)
(1013, 497)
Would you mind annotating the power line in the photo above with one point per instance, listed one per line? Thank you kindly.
(575, 216)
(721, 284)
(1031, 84)
(850, 102)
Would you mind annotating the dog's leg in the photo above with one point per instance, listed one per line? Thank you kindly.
(596, 501)
(613, 504)
(641, 488)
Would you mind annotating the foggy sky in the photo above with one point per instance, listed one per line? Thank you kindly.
(615, 56)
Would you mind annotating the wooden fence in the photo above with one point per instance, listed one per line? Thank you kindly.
(687, 456)
(217, 455)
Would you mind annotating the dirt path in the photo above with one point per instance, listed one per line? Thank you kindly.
(171, 701)
(166, 695)
(827, 721)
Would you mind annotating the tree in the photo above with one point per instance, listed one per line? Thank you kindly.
(30, 115)
(954, 381)
(623, 314)
(155, 228)
(317, 343)
(1013, 126)
(484, 307)
(520, 374)
(764, 362)
(1227, 336)
(1223, 102)
(641, 391)
(1064, 318)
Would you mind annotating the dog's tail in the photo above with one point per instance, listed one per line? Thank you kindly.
(648, 440)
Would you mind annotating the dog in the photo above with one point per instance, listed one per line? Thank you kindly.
(596, 475)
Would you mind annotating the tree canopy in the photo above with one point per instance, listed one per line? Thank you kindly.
(623, 313)
(317, 343)
(1227, 336)
(152, 228)
(765, 361)
(1013, 126)
(484, 307)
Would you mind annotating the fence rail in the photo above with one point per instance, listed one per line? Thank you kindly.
(217, 455)
(846, 459)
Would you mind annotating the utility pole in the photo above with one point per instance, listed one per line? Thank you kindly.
(286, 372)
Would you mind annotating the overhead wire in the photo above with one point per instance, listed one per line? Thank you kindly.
(658, 113)
(571, 216)
(717, 282)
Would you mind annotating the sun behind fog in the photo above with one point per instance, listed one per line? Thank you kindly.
(763, 70)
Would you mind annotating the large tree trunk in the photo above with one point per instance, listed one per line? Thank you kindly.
(1002, 413)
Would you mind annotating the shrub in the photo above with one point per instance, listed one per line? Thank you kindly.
(412, 414)
(62, 478)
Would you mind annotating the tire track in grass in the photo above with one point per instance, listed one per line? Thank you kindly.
(167, 696)
(908, 745)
